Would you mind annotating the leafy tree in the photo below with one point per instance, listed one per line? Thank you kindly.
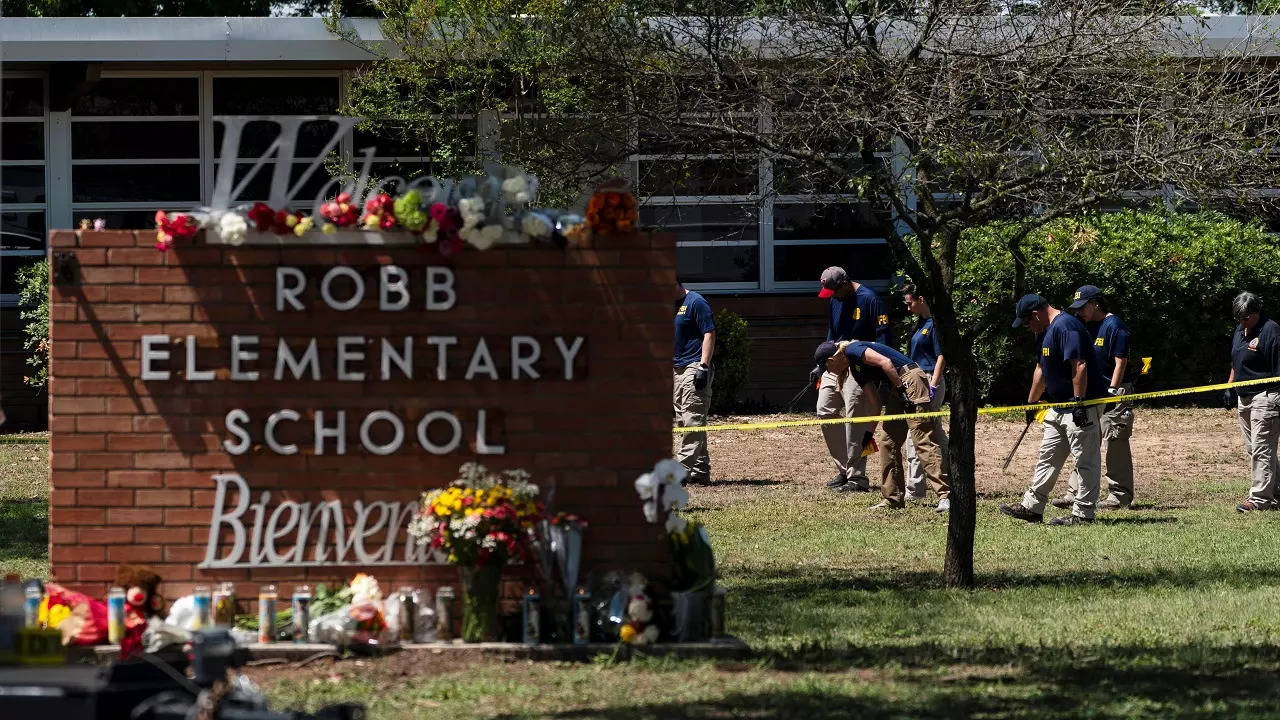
(33, 283)
(1170, 276)
(936, 116)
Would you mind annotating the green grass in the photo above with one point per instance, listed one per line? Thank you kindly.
(24, 505)
(1169, 610)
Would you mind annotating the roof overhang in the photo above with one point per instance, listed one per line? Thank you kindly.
(224, 39)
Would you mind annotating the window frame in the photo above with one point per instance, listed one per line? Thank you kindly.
(11, 300)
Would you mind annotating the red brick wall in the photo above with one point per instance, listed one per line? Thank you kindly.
(132, 460)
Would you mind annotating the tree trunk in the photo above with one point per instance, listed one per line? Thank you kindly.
(962, 389)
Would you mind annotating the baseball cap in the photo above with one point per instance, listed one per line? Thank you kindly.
(832, 278)
(824, 353)
(1026, 304)
(1084, 295)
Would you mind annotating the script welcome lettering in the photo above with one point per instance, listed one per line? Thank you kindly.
(294, 534)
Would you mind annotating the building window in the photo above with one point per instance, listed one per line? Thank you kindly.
(23, 191)
(277, 96)
(135, 148)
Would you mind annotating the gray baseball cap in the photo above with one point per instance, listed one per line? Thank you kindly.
(832, 278)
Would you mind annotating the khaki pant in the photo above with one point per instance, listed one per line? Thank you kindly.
(1062, 437)
(1117, 457)
(916, 486)
(924, 434)
(844, 440)
(691, 406)
(1260, 427)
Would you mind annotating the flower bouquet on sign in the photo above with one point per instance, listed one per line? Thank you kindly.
(482, 521)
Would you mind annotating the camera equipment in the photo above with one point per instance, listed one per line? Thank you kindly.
(153, 687)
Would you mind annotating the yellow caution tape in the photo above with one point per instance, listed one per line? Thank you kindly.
(1045, 407)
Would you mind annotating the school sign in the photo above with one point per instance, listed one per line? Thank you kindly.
(272, 413)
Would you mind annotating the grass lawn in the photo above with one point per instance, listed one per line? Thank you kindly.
(24, 505)
(1166, 610)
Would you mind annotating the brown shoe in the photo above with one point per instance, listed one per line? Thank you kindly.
(887, 505)
(1065, 502)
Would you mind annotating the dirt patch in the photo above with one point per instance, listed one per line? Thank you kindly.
(379, 670)
(1171, 448)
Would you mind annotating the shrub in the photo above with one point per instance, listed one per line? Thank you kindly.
(33, 281)
(731, 362)
(1171, 278)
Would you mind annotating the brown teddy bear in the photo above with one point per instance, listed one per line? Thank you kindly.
(142, 601)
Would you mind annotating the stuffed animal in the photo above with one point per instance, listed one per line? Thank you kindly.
(639, 629)
(81, 619)
(142, 601)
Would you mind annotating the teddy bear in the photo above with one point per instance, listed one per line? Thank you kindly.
(142, 601)
(639, 629)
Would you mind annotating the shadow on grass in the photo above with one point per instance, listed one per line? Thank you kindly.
(1079, 691)
(24, 529)
(791, 584)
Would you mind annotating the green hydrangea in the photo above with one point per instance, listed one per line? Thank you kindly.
(409, 212)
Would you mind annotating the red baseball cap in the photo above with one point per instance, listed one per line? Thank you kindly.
(832, 278)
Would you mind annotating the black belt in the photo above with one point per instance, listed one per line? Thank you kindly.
(904, 369)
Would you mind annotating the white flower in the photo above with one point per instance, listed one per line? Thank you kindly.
(482, 238)
(471, 472)
(517, 189)
(472, 211)
(676, 523)
(536, 225)
(670, 472)
(232, 228)
(430, 232)
(674, 497)
(364, 588)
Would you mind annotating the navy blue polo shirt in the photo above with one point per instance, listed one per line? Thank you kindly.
(860, 316)
(693, 320)
(925, 346)
(861, 370)
(1256, 355)
(1068, 339)
(1110, 341)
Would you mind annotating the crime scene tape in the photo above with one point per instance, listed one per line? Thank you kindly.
(1108, 400)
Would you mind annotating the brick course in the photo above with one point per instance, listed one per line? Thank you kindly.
(132, 461)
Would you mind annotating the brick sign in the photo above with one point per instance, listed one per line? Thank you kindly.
(272, 414)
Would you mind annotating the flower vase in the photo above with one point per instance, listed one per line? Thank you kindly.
(480, 602)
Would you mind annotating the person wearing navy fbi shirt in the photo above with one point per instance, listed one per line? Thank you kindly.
(695, 343)
(1067, 372)
(1111, 346)
(925, 350)
(882, 371)
(1255, 355)
(855, 312)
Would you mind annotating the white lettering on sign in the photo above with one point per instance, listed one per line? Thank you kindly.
(364, 359)
(304, 534)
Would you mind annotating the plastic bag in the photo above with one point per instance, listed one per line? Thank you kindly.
(332, 628)
(182, 613)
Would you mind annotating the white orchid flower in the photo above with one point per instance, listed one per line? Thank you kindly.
(676, 523)
(670, 471)
(674, 497)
